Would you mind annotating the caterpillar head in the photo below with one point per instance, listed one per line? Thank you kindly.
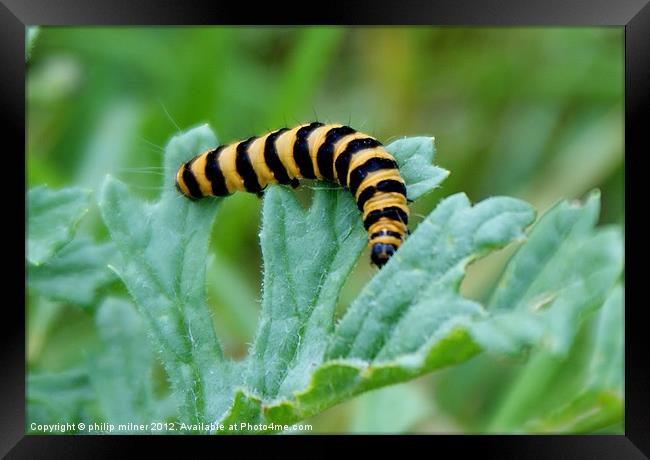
(381, 252)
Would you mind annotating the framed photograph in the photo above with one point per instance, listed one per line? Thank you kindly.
(384, 228)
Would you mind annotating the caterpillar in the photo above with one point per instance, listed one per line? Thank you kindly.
(328, 152)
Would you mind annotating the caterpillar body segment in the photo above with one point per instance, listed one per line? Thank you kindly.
(328, 152)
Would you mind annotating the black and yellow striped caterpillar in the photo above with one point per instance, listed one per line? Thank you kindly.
(330, 152)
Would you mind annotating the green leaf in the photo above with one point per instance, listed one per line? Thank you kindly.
(164, 247)
(606, 369)
(415, 157)
(565, 270)
(300, 292)
(52, 216)
(408, 320)
(120, 371)
(600, 403)
(59, 397)
(75, 273)
(416, 295)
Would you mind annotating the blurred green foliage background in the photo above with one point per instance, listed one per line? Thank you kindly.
(535, 113)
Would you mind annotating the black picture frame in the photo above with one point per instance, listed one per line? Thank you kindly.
(633, 15)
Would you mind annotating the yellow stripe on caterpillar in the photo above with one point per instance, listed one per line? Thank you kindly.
(312, 151)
